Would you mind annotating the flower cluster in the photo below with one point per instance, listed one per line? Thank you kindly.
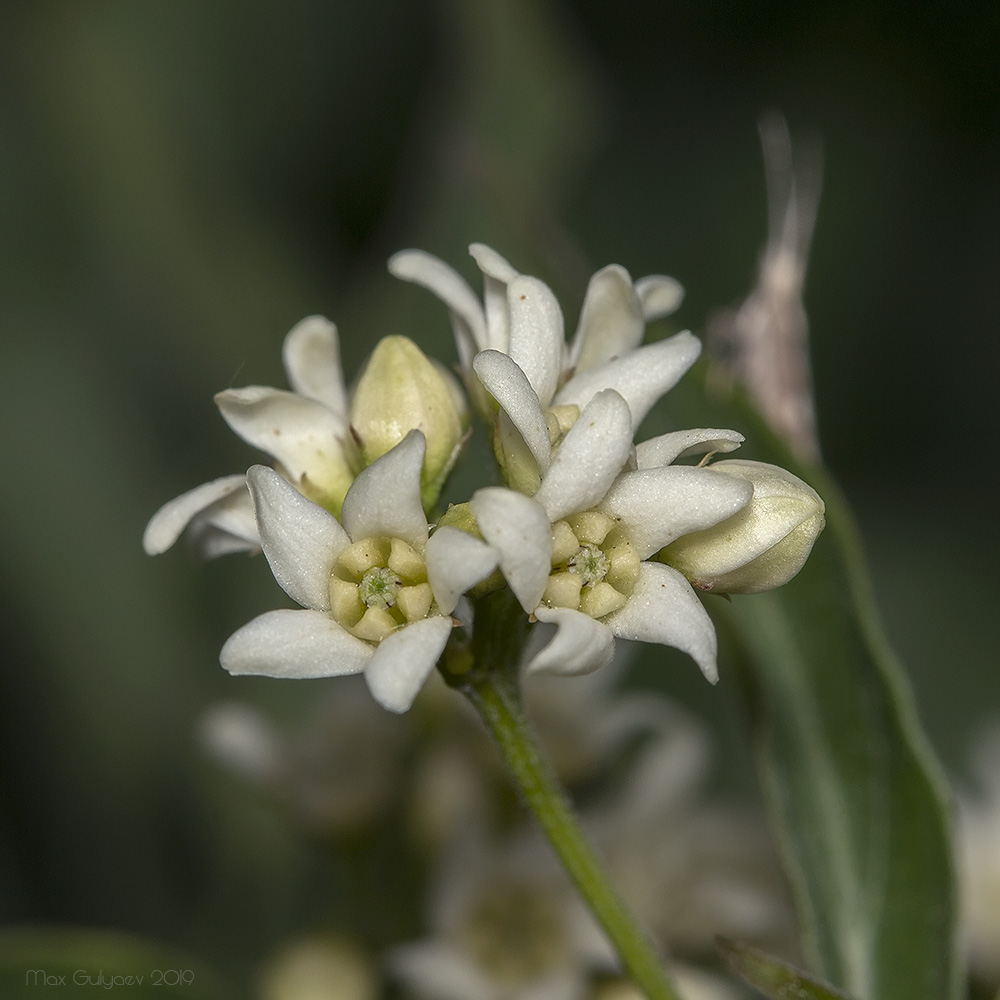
(592, 533)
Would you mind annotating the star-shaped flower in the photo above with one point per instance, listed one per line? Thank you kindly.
(319, 435)
(377, 594)
(305, 430)
(577, 553)
(520, 318)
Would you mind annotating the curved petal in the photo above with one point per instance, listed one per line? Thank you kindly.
(663, 608)
(228, 525)
(492, 264)
(611, 320)
(300, 540)
(311, 354)
(497, 275)
(294, 644)
(166, 525)
(590, 457)
(385, 498)
(509, 386)
(468, 320)
(642, 376)
(536, 334)
(456, 561)
(660, 295)
(518, 528)
(658, 505)
(581, 645)
(302, 434)
(402, 662)
(664, 449)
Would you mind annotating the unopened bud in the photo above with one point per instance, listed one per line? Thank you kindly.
(401, 390)
(760, 547)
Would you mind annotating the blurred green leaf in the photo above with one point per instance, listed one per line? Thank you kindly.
(774, 978)
(852, 787)
(34, 957)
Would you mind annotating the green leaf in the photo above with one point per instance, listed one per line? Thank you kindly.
(853, 791)
(32, 957)
(773, 977)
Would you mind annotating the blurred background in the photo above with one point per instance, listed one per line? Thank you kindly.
(180, 183)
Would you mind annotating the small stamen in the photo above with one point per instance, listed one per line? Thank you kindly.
(378, 587)
(590, 563)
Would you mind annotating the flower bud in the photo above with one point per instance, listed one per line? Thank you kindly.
(761, 546)
(401, 390)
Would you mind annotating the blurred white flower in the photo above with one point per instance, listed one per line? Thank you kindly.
(337, 771)
(506, 924)
(318, 968)
(692, 984)
(377, 594)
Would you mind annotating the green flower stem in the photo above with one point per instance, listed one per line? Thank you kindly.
(493, 689)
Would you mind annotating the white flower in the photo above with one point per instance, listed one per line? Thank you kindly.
(320, 436)
(306, 431)
(338, 769)
(575, 554)
(506, 925)
(377, 594)
(521, 319)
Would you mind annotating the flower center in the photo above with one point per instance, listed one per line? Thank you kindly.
(590, 562)
(377, 585)
(594, 565)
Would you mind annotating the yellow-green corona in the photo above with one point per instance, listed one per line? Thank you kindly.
(401, 390)
(760, 547)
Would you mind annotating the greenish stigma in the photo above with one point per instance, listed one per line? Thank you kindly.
(590, 563)
(379, 587)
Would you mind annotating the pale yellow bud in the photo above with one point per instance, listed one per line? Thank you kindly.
(401, 390)
(760, 547)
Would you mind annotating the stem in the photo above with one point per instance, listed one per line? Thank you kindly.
(495, 695)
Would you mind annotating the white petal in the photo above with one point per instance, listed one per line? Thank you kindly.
(611, 320)
(518, 528)
(664, 449)
(442, 971)
(311, 354)
(497, 275)
(492, 264)
(304, 435)
(385, 498)
(509, 386)
(663, 608)
(589, 458)
(300, 539)
(536, 334)
(403, 661)
(581, 645)
(468, 320)
(228, 525)
(658, 505)
(642, 376)
(456, 561)
(166, 525)
(660, 295)
(294, 644)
